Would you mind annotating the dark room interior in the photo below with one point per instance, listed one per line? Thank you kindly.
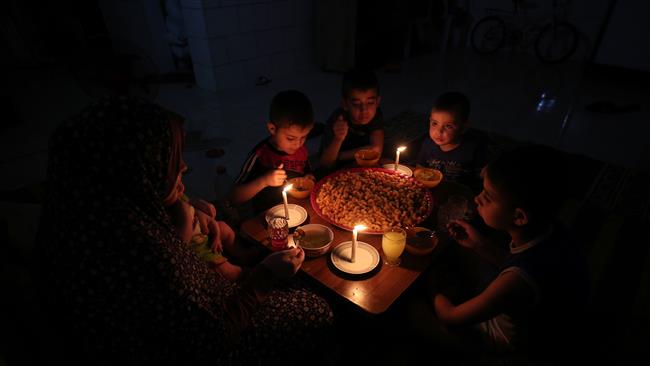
(217, 64)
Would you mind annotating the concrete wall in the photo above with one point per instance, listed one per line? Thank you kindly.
(626, 41)
(233, 42)
(137, 27)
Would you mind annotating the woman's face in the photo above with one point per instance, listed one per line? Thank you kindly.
(177, 188)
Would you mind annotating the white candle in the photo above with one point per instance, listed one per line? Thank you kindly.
(399, 150)
(355, 231)
(286, 204)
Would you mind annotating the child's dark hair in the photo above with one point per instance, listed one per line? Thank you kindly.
(359, 79)
(531, 177)
(291, 107)
(455, 103)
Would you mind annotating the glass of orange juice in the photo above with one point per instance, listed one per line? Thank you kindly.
(393, 242)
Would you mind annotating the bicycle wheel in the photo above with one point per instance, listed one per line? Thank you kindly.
(488, 35)
(556, 43)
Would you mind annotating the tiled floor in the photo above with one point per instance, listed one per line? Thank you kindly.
(505, 91)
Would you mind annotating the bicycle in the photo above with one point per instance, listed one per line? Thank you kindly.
(554, 40)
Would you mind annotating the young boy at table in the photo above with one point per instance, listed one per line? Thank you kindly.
(536, 298)
(357, 123)
(280, 156)
(458, 152)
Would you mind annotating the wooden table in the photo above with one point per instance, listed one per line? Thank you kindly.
(373, 292)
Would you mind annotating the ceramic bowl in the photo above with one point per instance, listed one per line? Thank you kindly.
(428, 176)
(367, 157)
(314, 239)
(301, 187)
(419, 240)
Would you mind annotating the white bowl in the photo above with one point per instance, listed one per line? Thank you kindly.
(316, 241)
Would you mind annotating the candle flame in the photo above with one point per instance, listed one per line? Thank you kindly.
(287, 187)
(401, 148)
(360, 228)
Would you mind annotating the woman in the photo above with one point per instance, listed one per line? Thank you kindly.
(122, 284)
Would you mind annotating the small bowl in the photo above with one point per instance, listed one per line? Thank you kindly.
(428, 176)
(301, 187)
(420, 244)
(314, 239)
(367, 157)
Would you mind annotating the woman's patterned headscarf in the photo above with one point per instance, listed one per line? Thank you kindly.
(116, 150)
(117, 278)
(104, 218)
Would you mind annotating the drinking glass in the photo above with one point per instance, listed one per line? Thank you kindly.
(279, 233)
(393, 242)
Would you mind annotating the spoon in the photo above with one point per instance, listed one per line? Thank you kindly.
(426, 234)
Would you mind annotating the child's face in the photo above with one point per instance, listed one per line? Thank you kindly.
(493, 206)
(362, 105)
(288, 139)
(444, 130)
(177, 188)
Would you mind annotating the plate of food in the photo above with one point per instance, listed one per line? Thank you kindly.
(374, 197)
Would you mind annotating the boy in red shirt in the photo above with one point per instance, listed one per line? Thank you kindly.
(278, 157)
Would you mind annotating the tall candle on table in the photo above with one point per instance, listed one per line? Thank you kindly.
(355, 231)
(286, 204)
(399, 150)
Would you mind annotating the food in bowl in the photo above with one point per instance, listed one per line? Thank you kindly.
(420, 240)
(373, 198)
(301, 187)
(366, 157)
(314, 239)
(428, 176)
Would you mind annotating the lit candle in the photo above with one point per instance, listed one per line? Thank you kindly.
(355, 231)
(286, 204)
(399, 150)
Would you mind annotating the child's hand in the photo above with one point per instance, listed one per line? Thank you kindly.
(465, 234)
(285, 263)
(204, 206)
(275, 177)
(215, 236)
(340, 128)
(210, 227)
(204, 221)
